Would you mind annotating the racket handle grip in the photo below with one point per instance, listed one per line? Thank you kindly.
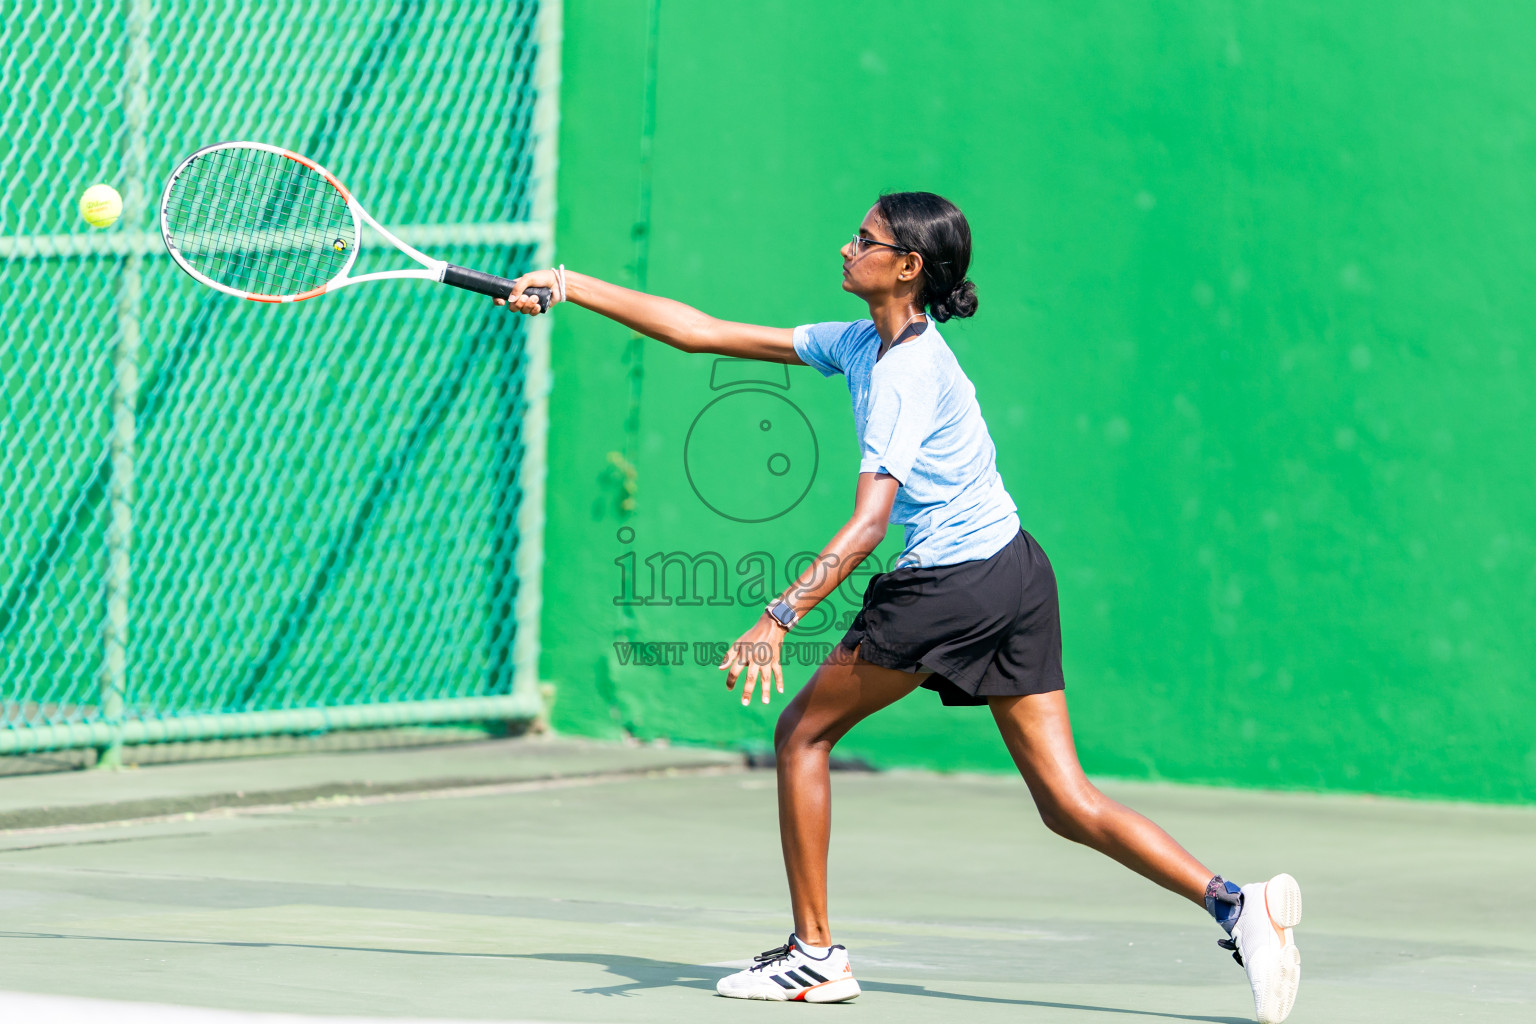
(489, 284)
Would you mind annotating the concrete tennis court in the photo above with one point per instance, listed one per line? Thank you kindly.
(621, 896)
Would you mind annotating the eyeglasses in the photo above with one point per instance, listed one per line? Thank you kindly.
(860, 240)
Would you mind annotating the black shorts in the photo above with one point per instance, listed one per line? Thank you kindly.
(990, 628)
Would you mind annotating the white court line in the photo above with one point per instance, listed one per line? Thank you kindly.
(36, 1009)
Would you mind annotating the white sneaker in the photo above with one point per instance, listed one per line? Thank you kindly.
(1265, 947)
(790, 974)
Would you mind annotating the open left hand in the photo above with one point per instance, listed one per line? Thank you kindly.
(757, 652)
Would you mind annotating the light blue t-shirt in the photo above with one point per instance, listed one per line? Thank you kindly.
(917, 419)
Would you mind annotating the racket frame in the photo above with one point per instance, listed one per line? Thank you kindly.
(433, 269)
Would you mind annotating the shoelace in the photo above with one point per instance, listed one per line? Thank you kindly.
(1229, 944)
(773, 956)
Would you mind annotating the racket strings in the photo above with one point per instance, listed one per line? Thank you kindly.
(259, 222)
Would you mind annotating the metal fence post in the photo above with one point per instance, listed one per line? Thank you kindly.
(536, 371)
(125, 397)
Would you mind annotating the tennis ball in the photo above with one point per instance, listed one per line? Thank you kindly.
(100, 205)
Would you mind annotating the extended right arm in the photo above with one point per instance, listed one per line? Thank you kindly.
(673, 323)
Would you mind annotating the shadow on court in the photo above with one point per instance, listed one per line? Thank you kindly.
(648, 974)
(643, 973)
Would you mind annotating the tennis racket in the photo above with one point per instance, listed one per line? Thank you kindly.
(261, 223)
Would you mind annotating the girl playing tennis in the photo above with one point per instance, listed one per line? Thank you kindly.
(970, 611)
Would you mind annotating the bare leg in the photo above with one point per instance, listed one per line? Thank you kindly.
(844, 690)
(1039, 736)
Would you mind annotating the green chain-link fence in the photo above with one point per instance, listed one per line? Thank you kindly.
(221, 517)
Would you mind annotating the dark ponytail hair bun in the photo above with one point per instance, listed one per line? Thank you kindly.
(961, 301)
(935, 229)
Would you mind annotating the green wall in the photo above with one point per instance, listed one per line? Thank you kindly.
(1254, 344)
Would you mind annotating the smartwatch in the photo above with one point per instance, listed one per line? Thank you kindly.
(782, 613)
